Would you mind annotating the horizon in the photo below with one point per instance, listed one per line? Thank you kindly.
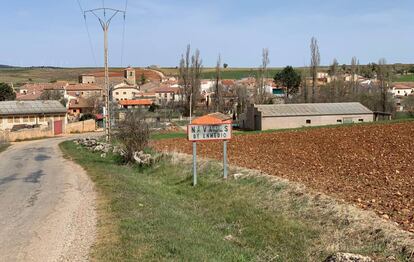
(153, 33)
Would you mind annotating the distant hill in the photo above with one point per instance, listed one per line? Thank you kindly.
(6, 66)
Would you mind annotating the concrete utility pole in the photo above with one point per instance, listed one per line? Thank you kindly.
(105, 22)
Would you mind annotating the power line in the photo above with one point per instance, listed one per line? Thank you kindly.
(123, 34)
(89, 35)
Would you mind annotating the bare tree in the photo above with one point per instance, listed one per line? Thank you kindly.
(218, 100)
(354, 73)
(384, 78)
(262, 75)
(190, 78)
(242, 98)
(315, 62)
(333, 73)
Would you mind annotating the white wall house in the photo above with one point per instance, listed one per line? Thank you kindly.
(400, 90)
(124, 92)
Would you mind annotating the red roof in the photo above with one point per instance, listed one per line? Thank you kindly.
(82, 87)
(166, 89)
(212, 119)
(79, 103)
(140, 102)
(399, 86)
(227, 82)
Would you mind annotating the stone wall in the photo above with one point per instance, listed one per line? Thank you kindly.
(81, 127)
(25, 134)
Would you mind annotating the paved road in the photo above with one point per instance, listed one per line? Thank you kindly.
(46, 205)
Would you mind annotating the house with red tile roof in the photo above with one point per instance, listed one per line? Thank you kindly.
(135, 104)
(33, 91)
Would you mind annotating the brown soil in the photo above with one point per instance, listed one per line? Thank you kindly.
(369, 165)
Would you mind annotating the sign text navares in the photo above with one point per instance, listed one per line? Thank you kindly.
(209, 132)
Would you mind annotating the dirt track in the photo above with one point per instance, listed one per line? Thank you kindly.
(369, 165)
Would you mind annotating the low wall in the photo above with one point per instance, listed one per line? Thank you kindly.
(81, 127)
(26, 134)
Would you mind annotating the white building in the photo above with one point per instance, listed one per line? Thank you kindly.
(282, 116)
(37, 112)
(400, 90)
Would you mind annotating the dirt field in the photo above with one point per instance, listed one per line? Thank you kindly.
(369, 165)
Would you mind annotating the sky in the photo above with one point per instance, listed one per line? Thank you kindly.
(53, 32)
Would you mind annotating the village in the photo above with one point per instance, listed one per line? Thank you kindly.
(206, 131)
(149, 90)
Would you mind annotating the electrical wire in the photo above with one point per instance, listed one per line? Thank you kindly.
(123, 34)
(89, 35)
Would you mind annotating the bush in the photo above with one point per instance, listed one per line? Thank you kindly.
(133, 134)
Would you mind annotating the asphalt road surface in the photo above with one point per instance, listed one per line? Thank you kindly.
(47, 205)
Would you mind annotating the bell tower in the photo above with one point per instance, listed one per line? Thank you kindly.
(129, 74)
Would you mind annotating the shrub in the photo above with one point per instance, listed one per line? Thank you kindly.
(87, 116)
(133, 134)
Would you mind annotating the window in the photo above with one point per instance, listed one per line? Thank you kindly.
(17, 119)
(116, 93)
(360, 120)
(130, 73)
(339, 121)
(25, 119)
(41, 119)
(10, 120)
(124, 93)
(308, 121)
(32, 118)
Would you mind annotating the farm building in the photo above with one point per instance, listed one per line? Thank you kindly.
(30, 113)
(281, 116)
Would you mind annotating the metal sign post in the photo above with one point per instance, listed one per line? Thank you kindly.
(225, 159)
(209, 132)
(194, 163)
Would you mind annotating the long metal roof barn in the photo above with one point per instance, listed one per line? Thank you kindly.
(313, 109)
(31, 107)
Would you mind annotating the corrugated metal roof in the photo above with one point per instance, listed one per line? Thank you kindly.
(31, 107)
(313, 109)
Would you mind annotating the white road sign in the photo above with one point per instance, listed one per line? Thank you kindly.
(209, 132)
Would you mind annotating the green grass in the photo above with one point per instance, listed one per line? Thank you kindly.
(155, 214)
(168, 136)
(405, 78)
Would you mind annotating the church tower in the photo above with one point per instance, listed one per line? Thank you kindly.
(129, 74)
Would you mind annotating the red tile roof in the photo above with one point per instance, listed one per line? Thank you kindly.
(83, 87)
(79, 103)
(140, 102)
(166, 89)
(212, 119)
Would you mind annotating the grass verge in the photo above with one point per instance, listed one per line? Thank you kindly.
(3, 147)
(155, 214)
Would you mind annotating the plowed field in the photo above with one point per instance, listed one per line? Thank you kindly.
(369, 165)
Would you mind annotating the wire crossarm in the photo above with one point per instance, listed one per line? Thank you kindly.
(104, 21)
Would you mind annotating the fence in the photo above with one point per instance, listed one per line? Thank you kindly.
(81, 127)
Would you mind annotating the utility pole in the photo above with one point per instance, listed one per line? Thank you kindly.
(105, 23)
